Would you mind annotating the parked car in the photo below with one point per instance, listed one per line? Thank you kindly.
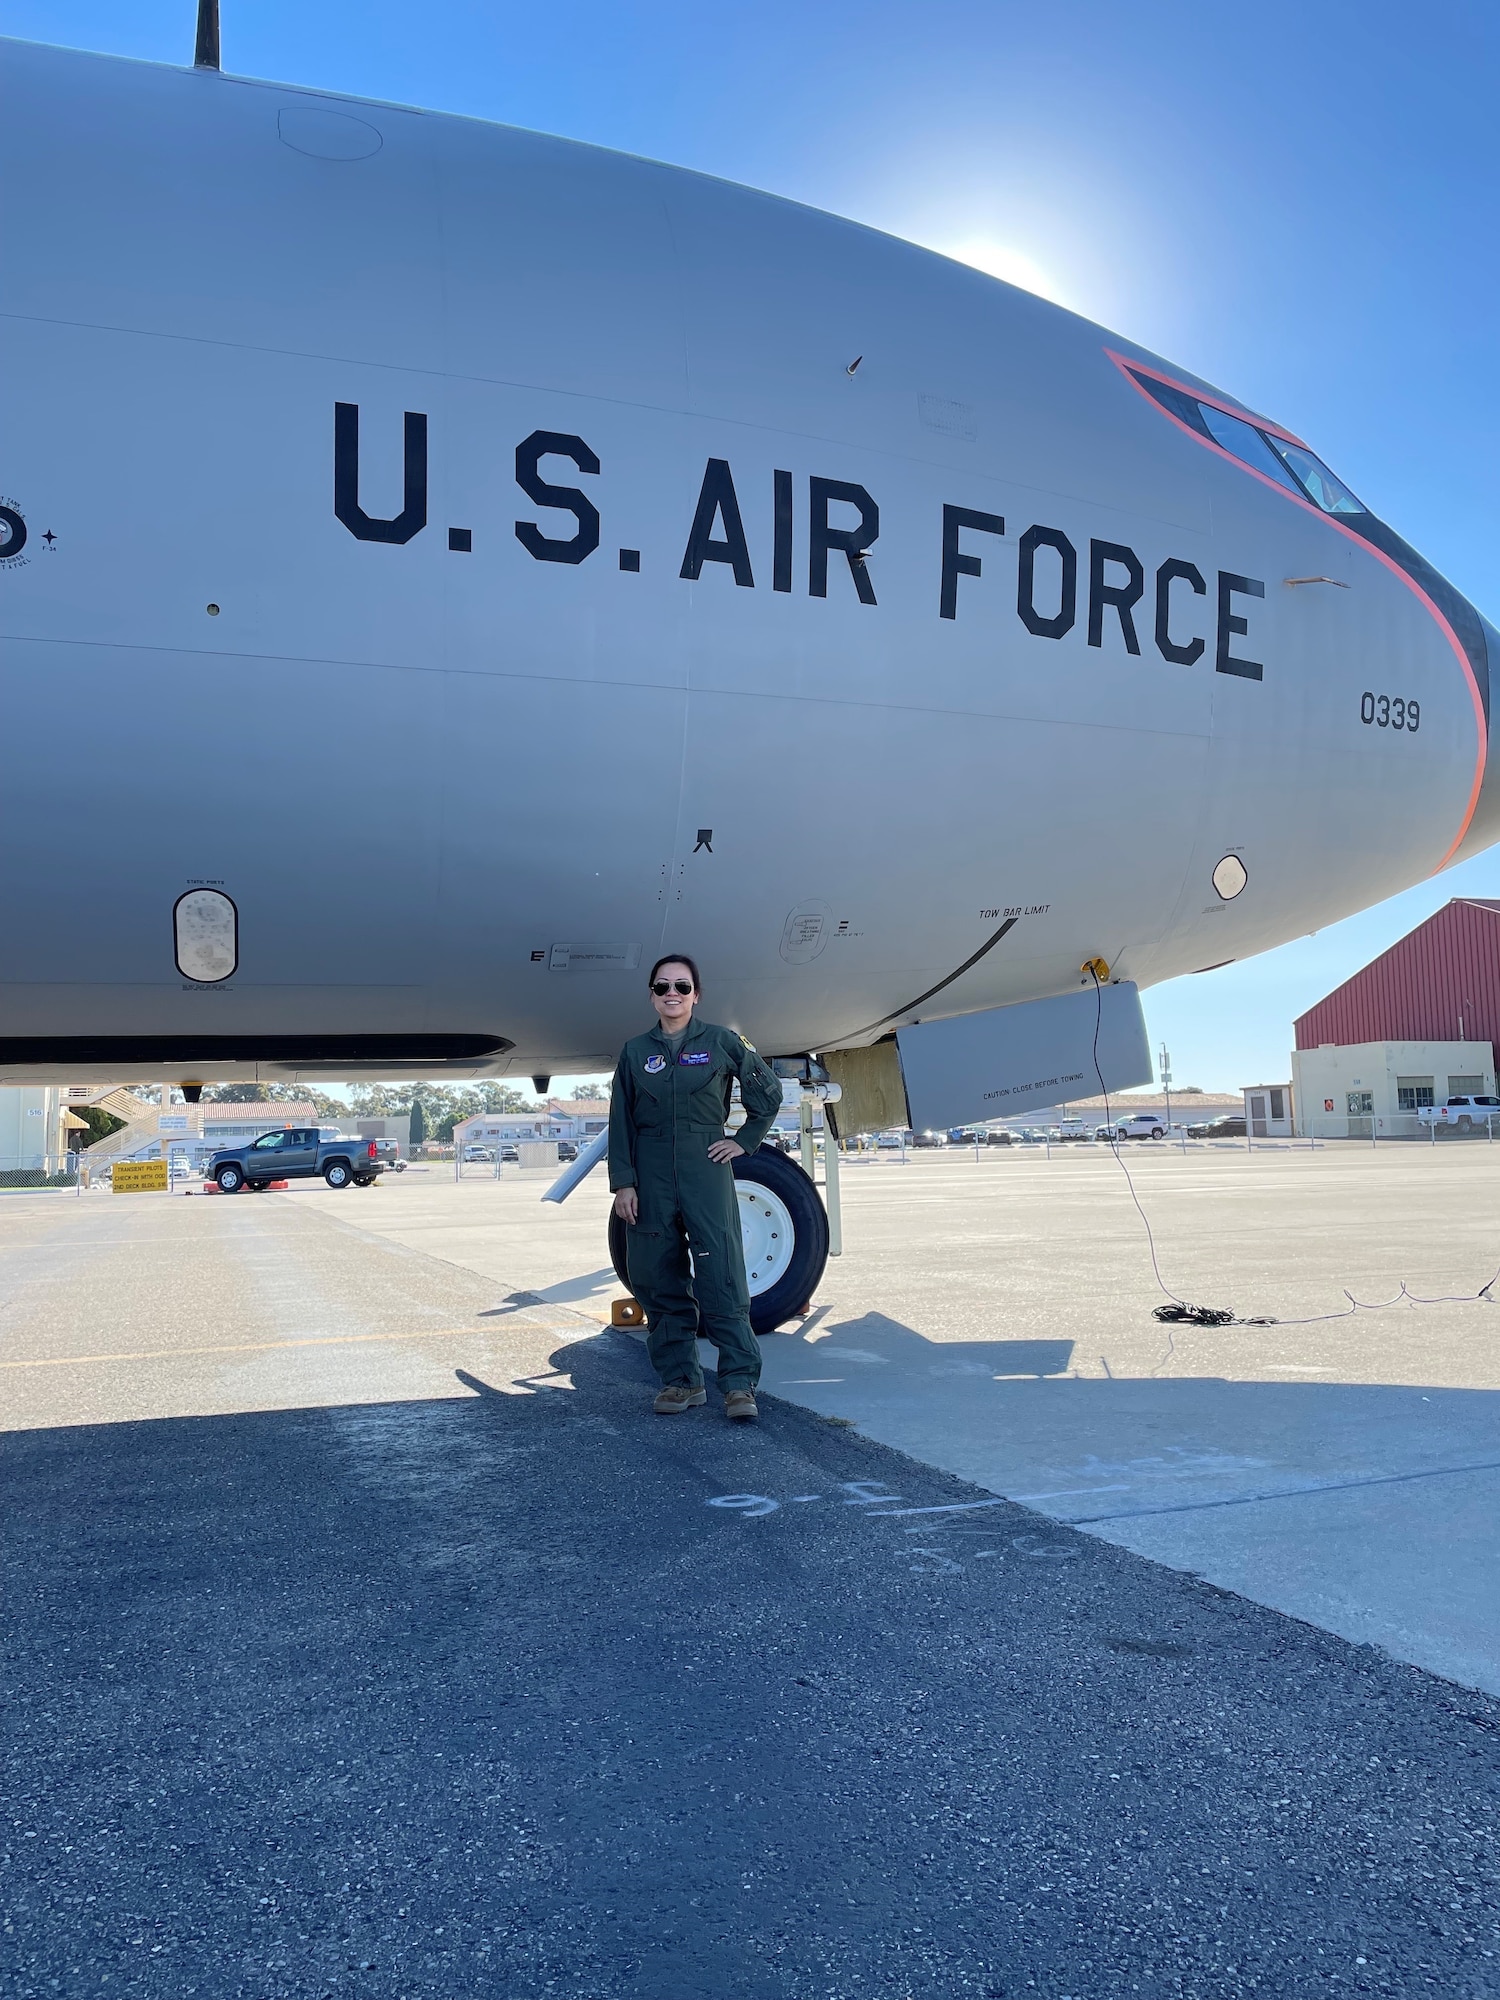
(1462, 1113)
(928, 1139)
(1142, 1125)
(508, 1153)
(889, 1142)
(292, 1155)
(566, 1150)
(477, 1153)
(1229, 1127)
(1003, 1137)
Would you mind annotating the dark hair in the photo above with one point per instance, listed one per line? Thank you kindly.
(676, 958)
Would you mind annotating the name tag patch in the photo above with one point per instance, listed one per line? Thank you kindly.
(698, 1056)
(654, 1065)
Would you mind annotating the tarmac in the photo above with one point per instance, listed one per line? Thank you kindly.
(364, 1633)
(994, 1318)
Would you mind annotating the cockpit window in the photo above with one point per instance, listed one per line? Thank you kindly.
(1316, 480)
(1290, 465)
(1182, 406)
(1247, 443)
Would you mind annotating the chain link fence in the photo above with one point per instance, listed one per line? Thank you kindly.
(23, 1172)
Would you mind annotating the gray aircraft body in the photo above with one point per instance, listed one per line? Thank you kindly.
(443, 566)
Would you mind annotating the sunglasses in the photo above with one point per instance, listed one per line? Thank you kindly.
(659, 986)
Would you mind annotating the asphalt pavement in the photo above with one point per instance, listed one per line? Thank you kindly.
(994, 1316)
(507, 1686)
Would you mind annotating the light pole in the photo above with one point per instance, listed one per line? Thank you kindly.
(1165, 1061)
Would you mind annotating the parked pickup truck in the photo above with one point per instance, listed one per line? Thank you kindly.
(1463, 1113)
(296, 1154)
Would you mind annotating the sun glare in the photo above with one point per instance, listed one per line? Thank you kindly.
(1000, 261)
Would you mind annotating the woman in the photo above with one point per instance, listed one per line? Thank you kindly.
(669, 1167)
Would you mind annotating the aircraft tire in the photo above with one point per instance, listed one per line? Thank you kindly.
(230, 1180)
(337, 1174)
(776, 1199)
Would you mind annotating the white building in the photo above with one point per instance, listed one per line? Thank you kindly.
(1268, 1111)
(1360, 1090)
(35, 1127)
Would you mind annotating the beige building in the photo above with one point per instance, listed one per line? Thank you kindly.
(1269, 1111)
(1362, 1090)
(36, 1128)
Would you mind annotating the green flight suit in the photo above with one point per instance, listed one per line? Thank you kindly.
(665, 1110)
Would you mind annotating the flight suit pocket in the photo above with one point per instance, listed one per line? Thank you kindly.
(708, 1079)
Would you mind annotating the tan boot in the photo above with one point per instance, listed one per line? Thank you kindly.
(740, 1404)
(678, 1396)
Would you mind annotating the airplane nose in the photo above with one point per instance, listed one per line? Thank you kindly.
(1482, 643)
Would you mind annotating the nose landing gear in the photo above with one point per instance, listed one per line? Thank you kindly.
(784, 1228)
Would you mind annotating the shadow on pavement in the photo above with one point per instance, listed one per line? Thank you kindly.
(876, 1338)
(534, 1692)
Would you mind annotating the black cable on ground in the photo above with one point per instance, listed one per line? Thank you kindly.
(1179, 1309)
(1180, 1313)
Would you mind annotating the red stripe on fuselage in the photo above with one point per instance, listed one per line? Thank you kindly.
(1127, 368)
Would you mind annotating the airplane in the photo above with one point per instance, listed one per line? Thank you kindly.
(457, 565)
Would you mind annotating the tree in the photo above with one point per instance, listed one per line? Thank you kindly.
(100, 1123)
(498, 1097)
(590, 1092)
(381, 1100)
(418, 1123)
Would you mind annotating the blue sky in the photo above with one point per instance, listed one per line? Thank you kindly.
(1297, 201)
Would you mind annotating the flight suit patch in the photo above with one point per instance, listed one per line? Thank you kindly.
(654, 1065)
(698, 1056)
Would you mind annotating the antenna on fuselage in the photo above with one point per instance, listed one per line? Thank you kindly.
(206, 53)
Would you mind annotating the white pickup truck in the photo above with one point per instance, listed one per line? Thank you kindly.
(1462, 1113)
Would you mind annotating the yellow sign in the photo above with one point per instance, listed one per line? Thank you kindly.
(139, 1177)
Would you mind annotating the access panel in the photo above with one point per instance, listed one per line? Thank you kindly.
(1013, 1059)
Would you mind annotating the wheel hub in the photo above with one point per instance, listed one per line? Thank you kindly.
(767, 1233)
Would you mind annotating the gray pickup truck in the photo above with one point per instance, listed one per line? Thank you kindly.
(293, 1154)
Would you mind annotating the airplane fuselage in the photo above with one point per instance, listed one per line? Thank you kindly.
(469, 563)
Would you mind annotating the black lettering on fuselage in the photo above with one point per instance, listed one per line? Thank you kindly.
(366, 527)
(1174, 571)
(781, 546)
(955, 562)
(717, 500)
(529, 454)
(1232, 626)
(1122, 598)
(717, 535)
(1062, 620)
(852, 542)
